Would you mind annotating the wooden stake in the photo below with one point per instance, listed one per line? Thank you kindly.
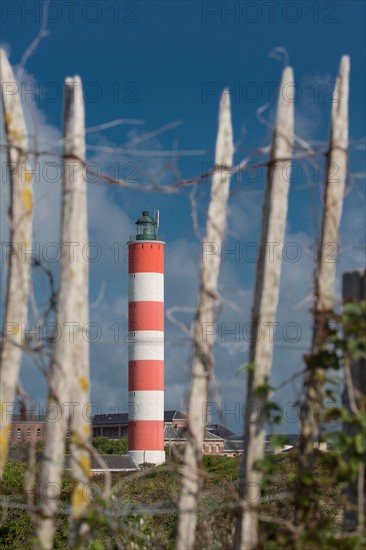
(264, 312)
(20, 219)
(336, 171)
(69, 373)
(205, 317)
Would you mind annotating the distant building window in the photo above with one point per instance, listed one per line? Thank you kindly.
(28, 433)
(9, 433)
(38, 432)
(210, 448)
(217, 448)
(19, 433)
(67, 433)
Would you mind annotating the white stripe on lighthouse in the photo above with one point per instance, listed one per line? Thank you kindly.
(145, 405)
(146, 345)
(146, 287)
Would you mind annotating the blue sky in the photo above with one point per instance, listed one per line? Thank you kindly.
(168, 61)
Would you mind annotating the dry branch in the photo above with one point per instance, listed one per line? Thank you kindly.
(20, 218)
(264, 313)
(205, 316)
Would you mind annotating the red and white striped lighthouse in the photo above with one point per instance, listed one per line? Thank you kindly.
(146, 342)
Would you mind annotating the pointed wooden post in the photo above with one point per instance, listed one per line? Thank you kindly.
(336, 172)
(20, 218)
(68, 376)
(80, 387)
(205, 317)
(264, 312)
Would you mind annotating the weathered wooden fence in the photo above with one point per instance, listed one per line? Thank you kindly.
(68, 376)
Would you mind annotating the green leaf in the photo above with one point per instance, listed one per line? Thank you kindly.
(263, 390)
(278, 441)
(265, 464)
(271, 406)
(330, 395)
(307, 480)
(248, 367)
(338, 440)
(273, 412)
(332, 413)
(360, 443)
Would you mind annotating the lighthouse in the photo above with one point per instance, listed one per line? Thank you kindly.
(146, 342)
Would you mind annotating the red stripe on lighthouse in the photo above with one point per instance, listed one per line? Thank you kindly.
(146, 257)
(145, 316)
(145, 375)
(146, 434)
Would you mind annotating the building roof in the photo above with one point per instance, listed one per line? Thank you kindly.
(210, 435)
(233, 446)
(122, 418)
(235, 438)
(220, 430)
(293, 440)
(236, 445)
(29, 417)
(170, 416)
(170, 432)
(116, 463)
(111, 418)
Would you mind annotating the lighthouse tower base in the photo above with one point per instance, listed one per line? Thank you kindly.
(150, 457)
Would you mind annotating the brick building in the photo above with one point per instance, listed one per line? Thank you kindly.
(30, 428)
(26, 429)
(177, 436)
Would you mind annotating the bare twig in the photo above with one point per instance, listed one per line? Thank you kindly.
(34, 44)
